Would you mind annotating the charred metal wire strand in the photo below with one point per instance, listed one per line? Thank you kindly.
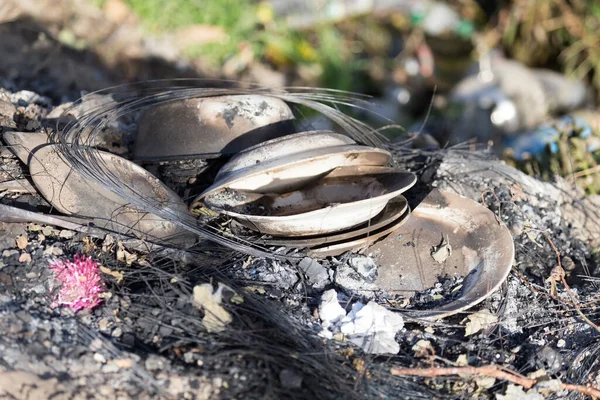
(77, 137)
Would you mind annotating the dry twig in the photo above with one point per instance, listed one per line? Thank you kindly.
(493, 371)
(558, 275)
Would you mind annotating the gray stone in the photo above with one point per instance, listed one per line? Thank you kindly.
(7, 109)
(9, 233)
(110, 368)
(118, 332)
(154, 363)
(317, 274)
(365, 266)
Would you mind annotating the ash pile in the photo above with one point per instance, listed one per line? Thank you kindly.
(188, 242)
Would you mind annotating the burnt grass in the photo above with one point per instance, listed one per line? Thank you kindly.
(147, 340)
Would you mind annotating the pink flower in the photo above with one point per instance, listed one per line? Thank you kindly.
(81, 285)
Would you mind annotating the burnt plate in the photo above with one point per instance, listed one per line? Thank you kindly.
(360, 242)
(298, 170)
(280, 148)
(23, 143)
(393, 211)
(72, 194)
(210, 127)
(329, 205)
(412, 259)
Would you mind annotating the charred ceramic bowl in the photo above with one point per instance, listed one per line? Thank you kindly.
(282, 147)
(358, 243)
(481, 251)
(23, 143)
(210, 127)
(72, 194)
(394, 210)
(292, 173)
(329, 205)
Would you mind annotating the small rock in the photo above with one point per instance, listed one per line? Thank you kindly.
(85, 319)
(7, 109)
(118, 332)
(96, 344)
(290, 379)
(123, 362)
(549, 359)
(32, 125)
(188, 357)
(110, 368)
(154, 363)
(26, 97)
(104, 324)
(25, 258)
(99, 358)
(22, 242)
(53, 251)
(8, 233)
(317, 274)
(561, 343)
(66, 234)
(365, 266)
(9, 253)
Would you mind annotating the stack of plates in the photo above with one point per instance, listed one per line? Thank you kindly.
(317, 190)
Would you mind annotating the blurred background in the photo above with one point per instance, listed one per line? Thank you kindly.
(519, 77)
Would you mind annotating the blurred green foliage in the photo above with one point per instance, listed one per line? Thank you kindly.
(247, 23)
(562, 34)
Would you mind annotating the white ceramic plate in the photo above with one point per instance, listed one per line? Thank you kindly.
(329, 205)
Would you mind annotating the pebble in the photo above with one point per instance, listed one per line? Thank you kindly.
(7, 109)
(154, 363)
(96, 344)
(99, 358)
(9, 253)
(53, 251)
(22, 242)
(66, 234)
(317, 274)
(117, 332)
(188, 357)
(104, 324)
(110, 368)
(549, 359)
(365, 266)
(85, 319)
(123, 362)
(25, 258)
(8, 233)
(26, 97)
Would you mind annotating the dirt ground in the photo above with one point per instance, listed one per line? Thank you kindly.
(147, 339)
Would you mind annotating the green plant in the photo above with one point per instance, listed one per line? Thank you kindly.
(555, 33)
